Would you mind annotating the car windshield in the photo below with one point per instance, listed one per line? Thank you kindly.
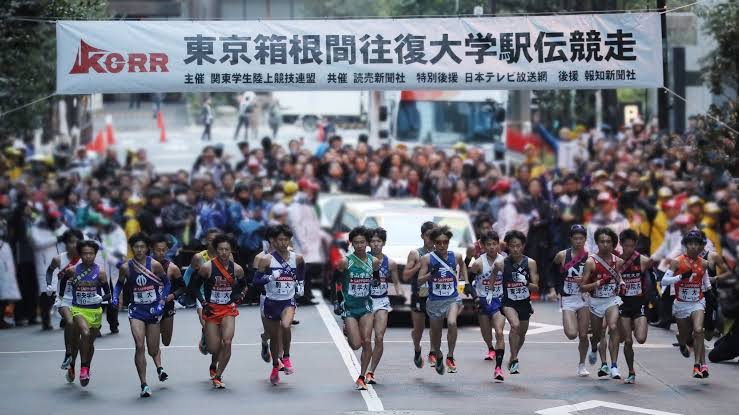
(447, 122)
(406, 231)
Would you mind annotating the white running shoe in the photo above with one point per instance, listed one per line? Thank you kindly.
(581, 371)
(614, 373)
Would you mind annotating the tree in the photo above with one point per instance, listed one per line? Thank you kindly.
(28, 61)
(715, 142)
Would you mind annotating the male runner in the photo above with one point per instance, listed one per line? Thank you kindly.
(634, 297)
(380, 299)
(88, 282)
(688, 274)
(65, 261)
(225, 286)
(358, 270)
(160, 245)
(441, 270)
(148, 286)
(419, 293)
(488, 290)
(574, 303)
(601, 279)
(282, 273)
(520, 277)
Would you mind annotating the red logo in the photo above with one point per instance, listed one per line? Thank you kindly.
(101, 61)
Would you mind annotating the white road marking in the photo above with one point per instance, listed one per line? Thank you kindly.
(347, 354)
(583, 406)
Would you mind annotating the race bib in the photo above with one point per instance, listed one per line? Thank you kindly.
(88, 297)
(359, 289)
(483, 286)
(497, 291)
(145, 296)
(379, 289)
(442, 289)
(633, 289)
(689, 294)
(284, 287)
(518, 293)
(605, 291)
(220, 296)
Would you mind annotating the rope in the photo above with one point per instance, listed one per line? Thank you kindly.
(707, 114)
(25, 105)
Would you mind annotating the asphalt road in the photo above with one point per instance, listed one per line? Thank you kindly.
(32, 383)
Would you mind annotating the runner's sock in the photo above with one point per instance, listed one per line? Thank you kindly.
(417, 354)
(614, 364)
(499, 357)
(491, 348)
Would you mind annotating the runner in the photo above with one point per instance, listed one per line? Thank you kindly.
(88, 283)
(148, 286)
(575, 303)
(441, 270)
(419, 293)
(66, 261)
(267, 247)
(380, 299)
(225, 286)
(520, 277)
(282, 273)
(358, 270)
(688, 275)
(160, 245)
(488, 291)
(634, 296)
(601, 278)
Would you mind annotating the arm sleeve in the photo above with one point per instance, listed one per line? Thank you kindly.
(261, 278)
(117, 291)
(195, 284)
(669, 278)
(301, 271)
(706, 283)
(49, 274)
(166, 286)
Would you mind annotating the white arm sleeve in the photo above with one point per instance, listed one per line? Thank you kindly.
(706, 283)
(669, 278)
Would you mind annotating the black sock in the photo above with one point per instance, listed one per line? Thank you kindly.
(604, 363)
(143, 385)
(85, 364)
(491, 348)
(417, 353)
(499, 357)
(212, 366)
(160, 369)
(285, 355)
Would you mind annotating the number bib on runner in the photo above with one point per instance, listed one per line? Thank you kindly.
(380, 289)
(359, 287)
(284, 286)
(518, 291)
(443, 287)
(86, 296)
(144, 295)
(689, 294)
(606, 291)
(497, 291)
(633, 289)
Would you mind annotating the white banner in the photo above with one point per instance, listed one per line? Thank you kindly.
(527, 52)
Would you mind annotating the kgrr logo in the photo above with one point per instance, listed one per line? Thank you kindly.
(101, 61)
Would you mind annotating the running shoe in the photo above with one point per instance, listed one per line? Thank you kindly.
(70, 374)
(212, 372)
(614, 373)
(604, 371)
(581, 371)
(274, 376)
(704, 371)
(145, 391)
(513, 367)
(67, 362)
(697, 373)
(162, 374)
(84, 376)
(631, 379)
(361, 385)
(289, 370)
(684, 350)
(450, 365)
(490, 355)
(218, 383)
(266, 355)
(417, 359)
(203, 346)
(370, 378)
(439, 363)
(592, 357)
(498, 374)
(432, 359)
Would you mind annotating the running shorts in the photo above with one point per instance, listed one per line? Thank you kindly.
(683, 309)
(438, 309)
(357, 308)
(599, 306)
(418, 303)
(93, 316)
(219, 311)
(273, 308)
(632, 307)
(489, 308)
(381, 303)
(143, 313)
(573, 302)
(522, 307)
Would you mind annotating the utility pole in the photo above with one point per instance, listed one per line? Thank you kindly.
(493, 7)
(662, 98)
